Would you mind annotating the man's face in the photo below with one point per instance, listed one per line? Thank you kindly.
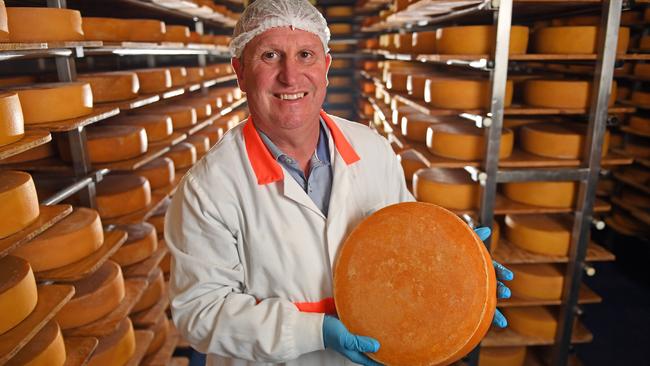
(284, 75)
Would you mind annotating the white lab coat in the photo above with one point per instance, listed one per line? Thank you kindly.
(248, 243)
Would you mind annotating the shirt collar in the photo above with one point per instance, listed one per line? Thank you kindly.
(320, 154)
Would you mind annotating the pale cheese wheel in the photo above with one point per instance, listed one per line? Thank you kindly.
(106, 29)
(574, 40)
(141, 243)
(340, 28)
(115, 348)
(179, 76)
(177, 33)
(642, 69)
(114, 143)
(449, 188)
(423, 42)
(203, 106)
(18, 295)
(160, 172)
(557, 140)
(12, 123)
(195, 74)
(543, 194)
(44, 25)
(152, 294)
(641, 97)
(112, 86)
(54, 101)
(19, 206)
(184, 155)
(68, 241)
(478, 40)
(411, 162)
(157, 126)
(46, 348)
(182, 116)
(339, 11)
(464, 141)
(561, 93)
(542, 234)
(462, 93)
(154, 80)
(538, 281)
(4, 26)
(36, 153)
(502, 356)
(640, 124)
(159, 330)
(95, 296)
(201, 143)
(414, 126)
(119, 195)
(532, 321)
(146, 30)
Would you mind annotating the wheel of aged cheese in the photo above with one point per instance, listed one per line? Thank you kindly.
(341, 64)
(388, 284)
(106, 29)
(423, 42)
(115, 348)
(478, 40)
(203, 106)
(414, 126)
(122, 194)
(159, 172)
(112, 86)
(464, 141)
(561, 93)
(641, 97)
(146, 30)
(36, 153)
(416, 85)
(462, 93)
(46, 348)
(340, 81)
(226, 94)
(112, 143)
(544, 194)
(157, 126)
(159, 223)
(182, 115)
(398, 114)
(195, 74)
(179, 76)
(338, 98)
(449, 188)
(44, 25)
(4, 26)
(340, 47)
(159, 330)
(340, 28)
(411, 162)
(18, 295)
(201, 144)
(95, 297)
(214, 133)
(166, 264)
(154, 80)
(339, 11)
(532, 321)
(71, 239)
(142, 241)
(12, 123)
(177, 33)
(557, 140)
(574, 40)
(538, 281)
(152, 294)
(49, 102)
(538, 233)
(184, 155)
(19, 206)
(502, 356)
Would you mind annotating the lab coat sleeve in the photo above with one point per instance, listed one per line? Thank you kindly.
(208, 303)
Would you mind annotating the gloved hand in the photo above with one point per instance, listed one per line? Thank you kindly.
(338, 338)
(503, 274)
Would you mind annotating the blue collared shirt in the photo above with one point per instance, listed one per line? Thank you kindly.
(319, 184)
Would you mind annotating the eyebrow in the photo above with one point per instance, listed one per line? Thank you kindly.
(278, 45)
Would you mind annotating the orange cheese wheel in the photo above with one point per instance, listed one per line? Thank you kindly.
(542, 234)
(142, 241)
(641, 97)
(54, 101)
(495, 236)
(574, 40)
(398, 81)
(449, 188)
(114, 143)
(12, 123)
(71, 239)
(154, 80)
(95, 296)
(159, 172)
(340, 28)
(35, 153)
(160, 330)
(414, 126)
(339, 11)
(152, 294)
(146, 30)
(4, 26)
(478, 40)
(19, 206)
(340, 81)
(423, 42)
(184, 155)
(394, 271)
(457, 93)
(403, 42)
(557, 140)
(201, 143)
(46, 348)
(544, 194)
(416, 85)
(502, 356)
(644, 43)
(157, 126)
(561, 93)
(18, 296)
(115, 348)
(182, 115)
(338, 98)
(532, 321)
(640, 124)
(112, 86)
(213, 132)
(177, 33)
(464, 141)
(341, 64)
(539, 281)
(225, 93)
(122, 194)
(411, 162)
(195, 74)
(203, 106)
(179, 76)
(106, 29)
(44, 25)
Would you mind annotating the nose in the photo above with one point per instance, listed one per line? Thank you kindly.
(289, 71)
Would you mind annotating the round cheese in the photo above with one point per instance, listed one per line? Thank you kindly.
(113, 143)
(203, 106)
(411, 163)
(44, 25)
(95, 296)
(184, 155)
(154, 80)
(4, 26)
(19, 206)
(403, 42)
(195, 74)
(179, 76)
(574, 40)
(71, 239)
(340, 47)
(642, 69)
(478, 40)
(106, 29)
(340, 28)
(35, 153)
(399, 113)
(423, 42)
(639, 123)
(182, 115)
(214, 133)
(12, 124)
(556, 140)
(464, 141)
(18, 296)
(112, 86)
(544, 194)
(449, 188)
(46, 348)
(398, 81)
(119, 195)
(457, 93)
(414, 126)
(339, 11)
(340, 81)
(146, 30)
(177, 33)
(341, 64)
(416, 85)
(532, 321)
(142, 241)
(561, 93)
(159, 330)
(201, 143)
(152, 294)
(115, 348)
(157, 126)
(159, 172)
(641, 97)
(54, 101)
(542, 234)
(538, 281)
(338, 98)
(502, 356)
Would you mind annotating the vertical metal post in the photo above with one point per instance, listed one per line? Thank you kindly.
(608, 38)
(57, 4)
(201, 59)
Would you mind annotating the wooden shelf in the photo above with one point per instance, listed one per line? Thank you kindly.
(98, 114)
(585, 296)
(636, 182)
(139, 216)
(635, 131)
(506, 206)
(164, 354)
(172, 93)
(40, 46)
(508, 253)
(135, 163)
(49, 215)
(127, 105)
(78, 350)
(636, 212)
(509, 338)
(30, 140)
(148, 317)
(520, 57)
(47, 165)
(143, 339)
(146, 268)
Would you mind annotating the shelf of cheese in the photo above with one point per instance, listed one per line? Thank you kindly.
(638, 213)
(31, 139)
(97, 114)
(143, 339)
(508, 253)
(164, 354)
(509, 338)
(78, 350)
(147, 267)
(48, 217)
(148, 317)
(585, 296)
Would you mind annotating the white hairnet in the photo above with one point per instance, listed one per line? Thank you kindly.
(263, 15)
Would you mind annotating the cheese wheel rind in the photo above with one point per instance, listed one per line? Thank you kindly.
(502, 356)
(114, 143)
(105, 29)
(478, 40)
(19, 206)
(533, 321)
(12, 123)
(449, 188)
(537, 233)
(18, 294)
(464, 141)
(544, 194)
(112, 86)
(54, 101)
(46, 348)
(561, 93)
(557, 140)
(154, 80)
(44, 25)
(119, 195)
(160, 172)
(537, 281)
(152, 294)
(116, 348)
(140, 245)
(574, 40)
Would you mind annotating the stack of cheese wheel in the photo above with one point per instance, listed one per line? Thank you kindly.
(40, 152)
(106, 29)
(414, 126)
(478, 40)
(543, 194)
(12, 123)
(157, 126)
(182, 116)
(561, 93)
(115, 348)
(502, 356)
(159, 172)
(165, 265)
(152, 294)
(157, 219)
(154, 80)
(179, 76)
(184, 155)
(122, 194)
(70, 240)
(537, 281)
(177, 33)
(146, 30)
(462, 140)
(411, 162)
(423, 42)
(541, 234)
(45, 348)
(112, 86)
(200, 143)
(449, 188)
(573, 40)
(111, 143)
(141, 243)
(639, 123)
(532, 321)
(52, 102)
(203, 106)
(462, 93)
(44, 25)
(557, 140)
(195, 74)
(18, 295)
(19, 207)
(160, 330)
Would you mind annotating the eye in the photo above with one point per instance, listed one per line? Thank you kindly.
(306, 55)
(270, 55)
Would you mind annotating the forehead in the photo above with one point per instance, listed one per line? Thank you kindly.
(285, 37)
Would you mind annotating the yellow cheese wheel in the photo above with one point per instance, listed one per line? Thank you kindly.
(339, 11)
(557, 140)
(641, 97)
(462, 93)
(502, 356)
(182, 115)
(640, 124)
(449, 188)
(54, 101)
(17, 80)
(532, 321)
(152, 294)
(71, 239)
(44, 25)
(114, 143)
(159, 330)
(36, 153)
(478, 40)
(414, 126)
(411, 162)
(106, 29)
(19, 206)
(574, 40)
(95, 296)
(184, 155)
(142, 241)
(46, 348)
(112, 86)
(157, 126)
(159, 172)
(542, 234)
(203, 106)
(115, 348)
(423, 42)
(4, 26)
(340, 28)
(179, 76)
(201, 143)
(177, 33)
(154, 80)
(122, 194)
(544, 194)
(464, 141)
(18, 294)
(12, 124)
(146, 30)
(195, 74)
(561, 93)
(539, 281)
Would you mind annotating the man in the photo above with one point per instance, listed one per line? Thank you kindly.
(255, 226)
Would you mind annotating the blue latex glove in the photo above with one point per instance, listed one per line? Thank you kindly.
(503, 274)
(337, 337)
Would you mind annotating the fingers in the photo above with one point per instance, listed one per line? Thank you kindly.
(499, 320)
(503, 292)
(502, 272)
(483, 232)
(360, 343)
(361, 359)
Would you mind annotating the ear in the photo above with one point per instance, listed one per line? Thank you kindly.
(328, 63)
(238, 66)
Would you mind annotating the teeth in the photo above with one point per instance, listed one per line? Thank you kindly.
(291, 96)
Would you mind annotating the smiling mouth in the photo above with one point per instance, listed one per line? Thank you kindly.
(294, 96)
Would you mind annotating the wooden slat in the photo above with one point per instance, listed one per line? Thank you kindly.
(98, 114)
(47, 165)
(30, 140)
(127, 105)
(509, 338)
(78, 350)
(585, 296)
(143, 339)
(146, 268)
(164, 354)
(508, 253)
(49, 216)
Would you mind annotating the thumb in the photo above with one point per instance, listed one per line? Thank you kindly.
(361, 343)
